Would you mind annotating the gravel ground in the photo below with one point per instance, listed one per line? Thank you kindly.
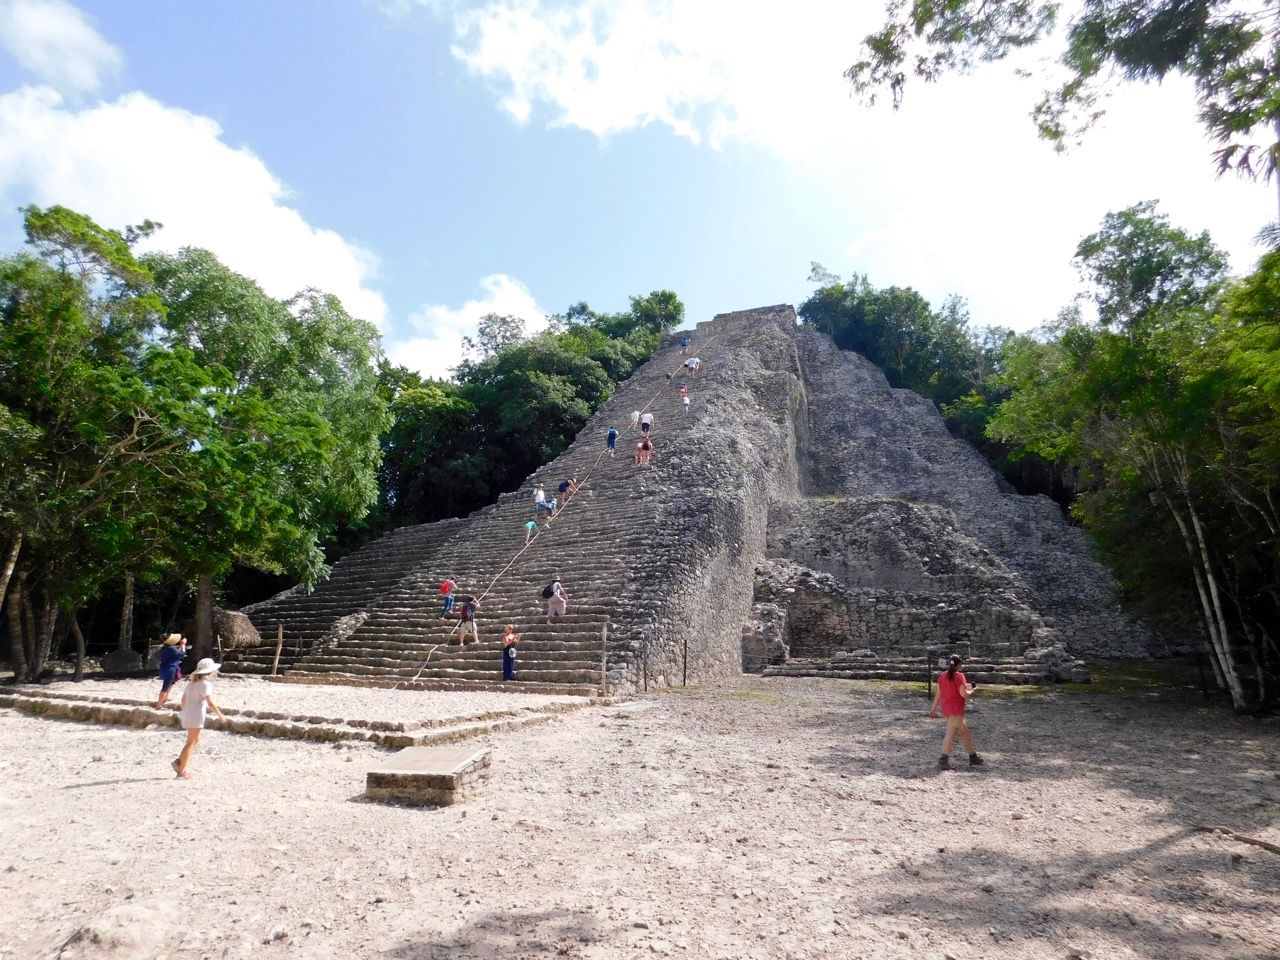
(781, 818)
(300, 699)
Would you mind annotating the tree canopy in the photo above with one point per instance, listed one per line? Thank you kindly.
(1228, 50)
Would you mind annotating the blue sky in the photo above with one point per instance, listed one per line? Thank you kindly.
(431, 161)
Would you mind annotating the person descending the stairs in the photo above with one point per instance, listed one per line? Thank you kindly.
(684, 402)
(446, 591)
(557, 600)
(467, 620)
(539, 496)
(684, 346)
(646, 423)
(953, 693)
(611, 441)
(635, 419)
(509, 641)
(529, 529)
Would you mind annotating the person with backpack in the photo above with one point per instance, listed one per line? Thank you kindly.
(467, 620)
(509, 641)
(611, 441)
(557, 600)
(446, 590)
(953, 693)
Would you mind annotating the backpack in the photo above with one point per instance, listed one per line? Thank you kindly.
(446, 587)
(548, 591)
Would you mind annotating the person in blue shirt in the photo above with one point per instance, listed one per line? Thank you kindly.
(684, 345)
(172, 654)
(612, 441)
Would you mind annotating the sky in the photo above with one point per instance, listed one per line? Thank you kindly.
(431, 161)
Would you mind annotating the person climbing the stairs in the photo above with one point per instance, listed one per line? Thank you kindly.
(539, 497)
(646, 423)
(529, 529)
(568, 487)
(510, 639)
(611, 441)
(446, 590)
(644, 450)
(557, 600)
(953, 693)
(467, 620)
(684, 402)
(635, 419)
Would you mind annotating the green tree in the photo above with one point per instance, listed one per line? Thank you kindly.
(295, 415)
(1229, 52)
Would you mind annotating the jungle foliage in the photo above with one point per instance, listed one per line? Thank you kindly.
(1153, 402)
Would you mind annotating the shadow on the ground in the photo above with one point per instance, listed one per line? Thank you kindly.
(112, 783)
(508, 933)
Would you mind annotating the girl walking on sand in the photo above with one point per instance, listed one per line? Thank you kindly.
(953, 693)
(197, 699)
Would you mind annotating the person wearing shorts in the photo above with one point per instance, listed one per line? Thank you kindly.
(197, 700)
(635, 419)
(611, 441)
(467, 621)
(646, 423)
(953, 693)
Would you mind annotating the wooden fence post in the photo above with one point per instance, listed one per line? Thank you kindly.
(279, 643)
(604, 659)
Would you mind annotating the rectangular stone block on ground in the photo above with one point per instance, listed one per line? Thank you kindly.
(429, 776)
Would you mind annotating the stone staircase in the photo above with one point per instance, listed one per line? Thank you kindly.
(388, 592)
(800, 499)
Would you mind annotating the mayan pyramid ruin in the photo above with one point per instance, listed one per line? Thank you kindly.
(802, 518)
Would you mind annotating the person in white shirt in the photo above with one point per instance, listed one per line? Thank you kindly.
(197, 700)
(635, 419)
(646, 423)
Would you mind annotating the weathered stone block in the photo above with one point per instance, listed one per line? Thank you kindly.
(428, 776)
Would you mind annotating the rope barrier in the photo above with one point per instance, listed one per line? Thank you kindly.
(552, 519)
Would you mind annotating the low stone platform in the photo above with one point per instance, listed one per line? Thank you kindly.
(429, 776)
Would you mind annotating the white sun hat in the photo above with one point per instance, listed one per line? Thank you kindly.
(206, 666)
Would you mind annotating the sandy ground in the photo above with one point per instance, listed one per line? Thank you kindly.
(781, 818)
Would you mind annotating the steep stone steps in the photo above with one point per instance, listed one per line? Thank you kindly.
(1011, 673)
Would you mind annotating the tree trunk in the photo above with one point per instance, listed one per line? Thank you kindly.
(17, 649)
(1206, 609)
(29, 630)
(44, 637)
(10, 561)
(126, 615)
(79, 638)
(204, 616)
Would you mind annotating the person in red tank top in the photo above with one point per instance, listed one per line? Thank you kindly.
(953, 693)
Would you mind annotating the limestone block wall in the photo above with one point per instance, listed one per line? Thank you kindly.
(868, 439)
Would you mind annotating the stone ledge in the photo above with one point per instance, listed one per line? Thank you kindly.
(429, 776)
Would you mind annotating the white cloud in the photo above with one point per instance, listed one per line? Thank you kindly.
(56, 41)
(438, 346)
(954, 193)
(135, 158)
